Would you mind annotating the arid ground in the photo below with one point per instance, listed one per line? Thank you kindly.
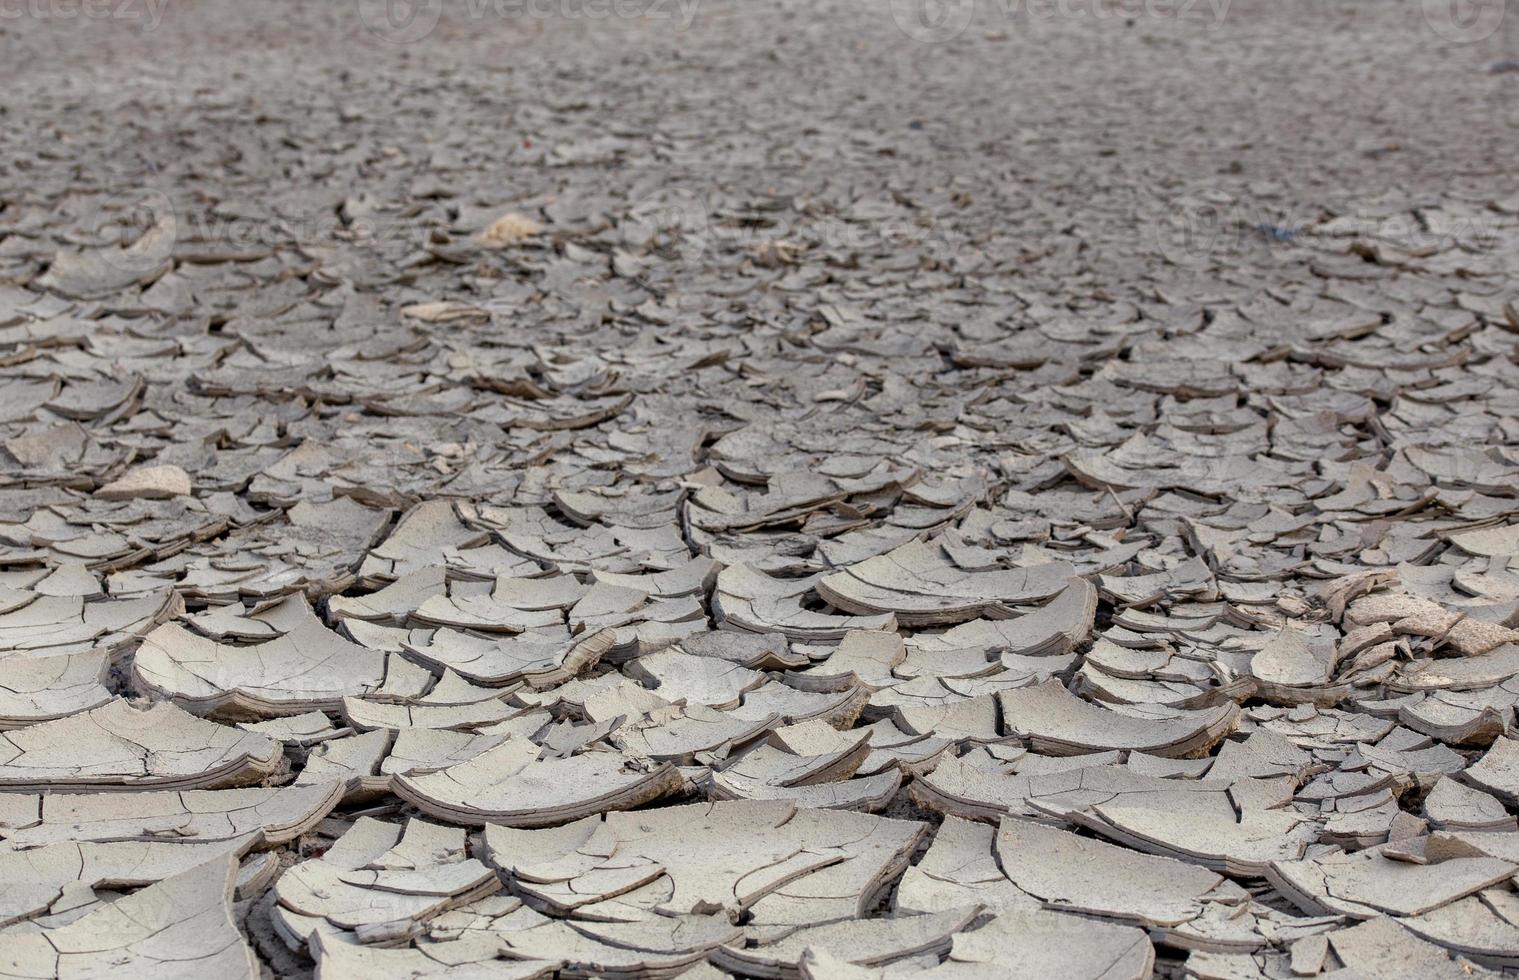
(840, 489)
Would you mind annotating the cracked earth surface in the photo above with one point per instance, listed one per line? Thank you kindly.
(862, 488)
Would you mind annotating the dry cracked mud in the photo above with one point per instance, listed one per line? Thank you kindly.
(854, 488)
